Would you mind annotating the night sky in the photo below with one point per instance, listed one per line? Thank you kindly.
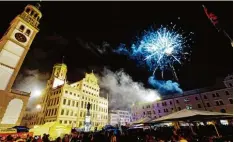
(65, 24)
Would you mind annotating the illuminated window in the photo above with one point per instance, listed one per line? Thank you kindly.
(55, 111)
(57, 100)
(21, 28)
(35, 16)
(27, 10)
(64, 101)
(62, 111)
(28, 32)
(32, 13)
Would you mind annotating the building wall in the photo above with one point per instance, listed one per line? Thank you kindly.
(6, 98)
(216, 100)
(121, 117)
(67, 103)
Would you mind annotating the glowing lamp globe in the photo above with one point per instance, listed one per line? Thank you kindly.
(37, 93)
(38, 106)
(152, 98)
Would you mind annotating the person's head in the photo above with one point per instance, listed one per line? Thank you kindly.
(9, 138)
(74, 134)
(66, 138)
(58, 139)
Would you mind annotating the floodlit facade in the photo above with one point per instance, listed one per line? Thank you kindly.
(218, 100)
(14, 46)
(119, 117)
(67, 103)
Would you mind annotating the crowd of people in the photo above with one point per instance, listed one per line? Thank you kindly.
(159, 134)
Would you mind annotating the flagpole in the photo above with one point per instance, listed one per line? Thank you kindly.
(212, 18)
(225, 33)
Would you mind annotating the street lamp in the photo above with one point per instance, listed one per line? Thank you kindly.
(38, 107)
(37, 93)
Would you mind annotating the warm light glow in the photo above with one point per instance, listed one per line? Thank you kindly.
(152, 97)
(37, 93)
(38, 106)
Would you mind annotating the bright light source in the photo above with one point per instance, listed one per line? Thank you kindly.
(37, 93)
(152, 97)
(168, 51)
(38, 106)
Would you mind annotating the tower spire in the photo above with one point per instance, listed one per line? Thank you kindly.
(62, 59)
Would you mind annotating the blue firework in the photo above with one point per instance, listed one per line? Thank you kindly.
(159, 49)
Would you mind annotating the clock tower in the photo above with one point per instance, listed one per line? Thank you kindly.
(58, 76)
(15, 44)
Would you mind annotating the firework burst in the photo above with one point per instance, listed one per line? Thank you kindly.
(160, 49)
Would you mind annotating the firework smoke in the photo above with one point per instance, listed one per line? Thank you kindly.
(165, 87)
(31, 81)
(123, 91)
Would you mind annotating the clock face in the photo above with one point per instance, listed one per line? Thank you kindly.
(20, 37)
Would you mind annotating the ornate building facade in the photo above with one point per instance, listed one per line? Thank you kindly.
(14, 46)
(219, 100)
(67, 103)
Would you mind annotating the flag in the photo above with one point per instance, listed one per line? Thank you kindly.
(213, 18)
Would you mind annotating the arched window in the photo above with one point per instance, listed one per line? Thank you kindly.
(28, 32)
(27, 10)
(12, 114)
(35, 16)
(32, 13)
(21, 28)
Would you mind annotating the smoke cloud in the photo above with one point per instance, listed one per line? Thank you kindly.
(165, 87)
(31, 81)
(123, 91)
